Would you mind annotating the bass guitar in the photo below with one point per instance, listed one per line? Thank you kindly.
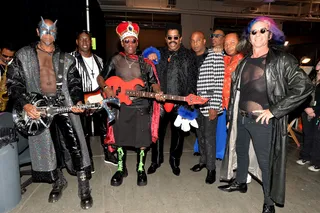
(31, 127)
(126, 89)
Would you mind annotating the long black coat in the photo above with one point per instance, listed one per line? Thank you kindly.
(288, 86)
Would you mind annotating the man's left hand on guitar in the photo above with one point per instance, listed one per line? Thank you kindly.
(76, 109)
(159, 95)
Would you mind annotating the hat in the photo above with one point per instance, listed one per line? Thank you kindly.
(127, 28)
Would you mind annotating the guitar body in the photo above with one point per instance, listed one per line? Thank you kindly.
(120, 87)
(93, 97)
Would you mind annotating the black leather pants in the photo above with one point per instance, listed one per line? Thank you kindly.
(177, 139)
(62, 122)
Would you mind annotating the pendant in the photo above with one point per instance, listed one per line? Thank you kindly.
(129, 66)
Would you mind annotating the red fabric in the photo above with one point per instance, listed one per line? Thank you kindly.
(230, 64)
(155, 120)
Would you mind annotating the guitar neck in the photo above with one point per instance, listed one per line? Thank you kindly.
(59, 110)
(143, 94)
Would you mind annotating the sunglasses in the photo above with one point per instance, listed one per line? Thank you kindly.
(173, 37)
(6, 56)
(216, 35)
(132, 41)
(262, 31)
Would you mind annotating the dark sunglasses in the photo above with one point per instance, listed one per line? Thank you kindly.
(6, 56)
(262, 31)
(132, 41)
(216, 35)
(173, 37)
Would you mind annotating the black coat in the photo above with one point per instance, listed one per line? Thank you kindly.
(179, 76)
(288, 86)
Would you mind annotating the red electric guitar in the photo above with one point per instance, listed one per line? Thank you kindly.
(124, 90)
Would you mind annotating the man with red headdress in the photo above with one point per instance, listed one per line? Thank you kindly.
(132, 126)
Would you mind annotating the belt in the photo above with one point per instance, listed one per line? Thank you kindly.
(253, 115)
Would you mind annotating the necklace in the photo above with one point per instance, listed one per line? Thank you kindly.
(169, 58)
(92, 73)
(49, 53)
(129, 64)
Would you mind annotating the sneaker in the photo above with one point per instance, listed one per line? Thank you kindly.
(110, 158)
(302, 162)
(314, 168)
(249, 178)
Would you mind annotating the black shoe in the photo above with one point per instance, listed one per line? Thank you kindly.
(196, 153)
(110, 158)
(235, 186)
(153, 168)
(211, 176)
(198, 167)
(86, 202)
(268, 209)
(174, 163)
(117, 178)
(57, 190)
(142, 179)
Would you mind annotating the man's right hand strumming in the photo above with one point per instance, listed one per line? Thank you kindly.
(108, 92)
(31, 111)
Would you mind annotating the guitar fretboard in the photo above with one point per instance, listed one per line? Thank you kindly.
(143, 94)
(58, 110)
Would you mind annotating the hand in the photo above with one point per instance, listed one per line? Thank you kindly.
(309, 111)
(264, 116)
(153, 57)
(76, 109)
(212, 114)
(31, 111)
(160, 97)
(108, 92)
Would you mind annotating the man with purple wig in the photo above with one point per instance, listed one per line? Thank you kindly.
(266, 86)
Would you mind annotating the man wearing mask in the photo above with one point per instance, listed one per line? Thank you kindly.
(43, 68)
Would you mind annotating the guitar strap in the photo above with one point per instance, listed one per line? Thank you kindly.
(59, 77)
(144, 75)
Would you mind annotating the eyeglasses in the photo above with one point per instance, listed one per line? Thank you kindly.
(216, 35)
(132, 41)
(262, 31)
(173, 37)
(6, 56)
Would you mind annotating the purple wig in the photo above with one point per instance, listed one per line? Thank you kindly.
(277, 35)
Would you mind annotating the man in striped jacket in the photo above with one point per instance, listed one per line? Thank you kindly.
(209, 85)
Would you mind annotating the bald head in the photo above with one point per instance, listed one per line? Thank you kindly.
(230, 43)
(198, 42)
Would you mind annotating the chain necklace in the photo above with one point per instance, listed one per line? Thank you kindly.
(42, 50)
(92, 73)
(129, 64)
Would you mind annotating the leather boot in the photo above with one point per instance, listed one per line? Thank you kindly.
(211, 176)
(84, 190)
(122, 171)
(142, 179)
(174, 163)
(57, 188)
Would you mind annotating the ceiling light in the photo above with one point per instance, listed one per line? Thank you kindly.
(286, 43)
(305, 60)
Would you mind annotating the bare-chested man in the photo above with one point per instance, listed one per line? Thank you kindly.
(42, 68)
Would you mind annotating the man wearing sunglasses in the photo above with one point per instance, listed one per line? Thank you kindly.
(7, 51)
(266, 86)
(178, 74)
(217, 38)
(136, 125)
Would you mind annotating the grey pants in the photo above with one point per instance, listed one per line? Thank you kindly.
(207, 141)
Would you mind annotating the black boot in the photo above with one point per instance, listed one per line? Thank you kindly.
(84, 190)
(175, 163)
(122, 171)
(142, 179)
(268, 208)
(57, 188)
(211, 176)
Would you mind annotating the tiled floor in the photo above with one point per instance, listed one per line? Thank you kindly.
(168, 193)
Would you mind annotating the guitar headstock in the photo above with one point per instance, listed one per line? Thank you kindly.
(194, 99)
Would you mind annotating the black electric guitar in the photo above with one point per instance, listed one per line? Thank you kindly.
(31, 127)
